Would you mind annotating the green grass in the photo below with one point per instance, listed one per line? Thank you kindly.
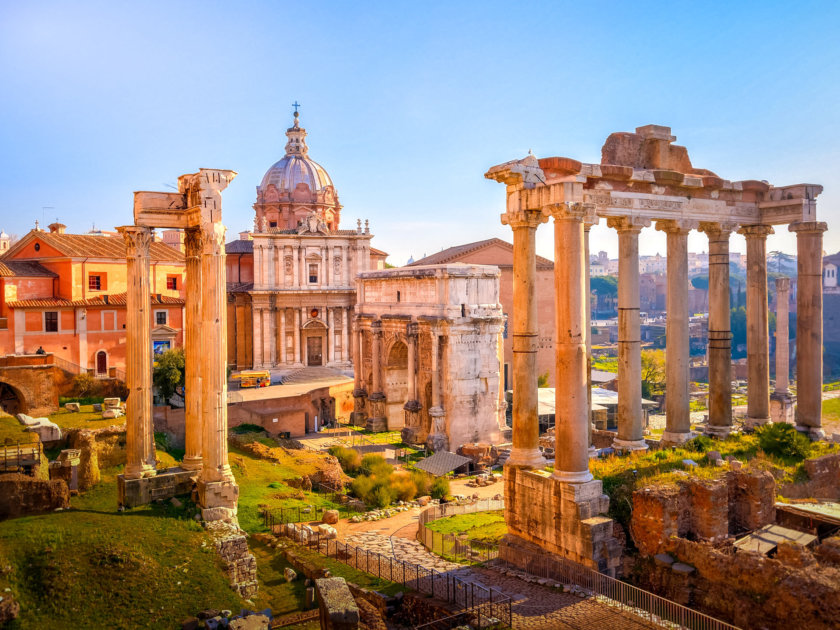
(11, 431)
(698, 405)
(831, 410)
(87, 418)
(94, 567)
(605, 364)
(482, 526)
(359, 578)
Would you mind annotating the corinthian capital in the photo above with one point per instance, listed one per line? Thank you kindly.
(816, 227)
(137, 239)
(676, 226)
(628, 224)
(716, 229)
(567, 211)
(213, 239)
(523, 218)
(756, 231)
(193, 242)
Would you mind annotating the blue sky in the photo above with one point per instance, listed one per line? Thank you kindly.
(407, 104)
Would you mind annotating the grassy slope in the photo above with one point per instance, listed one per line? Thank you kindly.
(831, 410)
(484, 526)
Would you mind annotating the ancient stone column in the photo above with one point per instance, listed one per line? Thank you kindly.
(217, 489)
(281, 313)
(139, 429)
(437, 439)
(345, 351)
(809, 326)
(192, 348)
(359, 393)
(588, 222)
(526, 429)
(782, 352)
(412, 406)
(720, 335)
(297, 351)
(677, 410)
(630, 417)
(758, 342)
(571, 428)
(376, 420)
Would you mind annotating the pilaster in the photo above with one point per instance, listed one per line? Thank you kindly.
(377, 420)
(193, 434)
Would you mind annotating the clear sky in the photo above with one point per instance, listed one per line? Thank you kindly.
(406, 103)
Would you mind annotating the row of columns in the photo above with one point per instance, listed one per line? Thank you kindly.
(270, 334)
(206, 450)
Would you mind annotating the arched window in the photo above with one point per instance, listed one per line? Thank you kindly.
(101, 362)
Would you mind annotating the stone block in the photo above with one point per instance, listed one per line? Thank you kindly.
(682, 569)
(337, 606)
(112, 413)
(713, 456)
(163, 486)
(251, 622)
(735, 464)
(111, 403)
(689, 463)
(330, 517)
(73, 407)
(47, 431)
(289, 574)
(663, 559)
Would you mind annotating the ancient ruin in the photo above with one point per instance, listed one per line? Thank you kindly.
(643, 178)
(197, 209)
(429, 348)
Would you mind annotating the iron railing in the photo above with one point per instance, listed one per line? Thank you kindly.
(17, 457)
(273, 519)
(467, 596)
(451, 546)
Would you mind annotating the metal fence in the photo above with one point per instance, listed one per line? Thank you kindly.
(615, 593)
(276, 517)
(467, 596)
(451, 546)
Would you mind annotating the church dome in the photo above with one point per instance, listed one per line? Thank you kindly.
(296, 167)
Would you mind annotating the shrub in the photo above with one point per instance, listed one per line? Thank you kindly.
(242, 429)
(85, 385)
(381, 497)
(114, 388)
(349, 459)
(422, 482)
(376, 465)
(403, 487)
(783, 440)
(701, 444)
(168, 372)
(440, 488)
(362, 487)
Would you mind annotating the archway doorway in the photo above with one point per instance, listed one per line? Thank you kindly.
(396, 385)
(314, 341)
(314, 351)
(11, 400)
(101, 363)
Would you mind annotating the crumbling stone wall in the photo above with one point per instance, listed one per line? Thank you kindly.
(99, 448)
(823, 480)
(21, 495)
(709, 510)
(238, 562)
(747, 589)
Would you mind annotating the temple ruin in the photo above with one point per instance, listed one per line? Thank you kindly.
(643, 179)
(197, 209)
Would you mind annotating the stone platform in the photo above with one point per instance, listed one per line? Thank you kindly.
(544, 514)
(165, 485)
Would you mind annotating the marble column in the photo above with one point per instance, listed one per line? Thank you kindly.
(139, 429)
(781, 401)
(630, 417)
(526, 429)
(297, 352)
(376, 420)
(758, 336)
(192, 349)
(720, 333)
(677, 373)
(588, 222)
(345, 350)
(809, 326)
(437, 439)
(331, 333)
(281, 314)
(410, 432)
(217, 489)
(359, 392)
(571, 428)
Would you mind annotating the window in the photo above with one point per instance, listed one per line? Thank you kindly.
(94, 283)
(51, 321)
(160, 318)
(398, 296)
(313, 273)
(272, 224)
(171, 283)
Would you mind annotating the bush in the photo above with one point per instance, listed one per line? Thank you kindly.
(403, 487)
(362, 487)
(114, 388)
(376, 465)
(168, 373)
(86, 385)
(702, 444)
(242, 429)
(783, 440)
(349, 459)
(422, 482)
(440, 488)
(381, 497)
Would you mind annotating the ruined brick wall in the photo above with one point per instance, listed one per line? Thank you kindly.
(238, 562)
(21, 495)
(752, 499)
(35, 381)
(823, 480)
(747, 589)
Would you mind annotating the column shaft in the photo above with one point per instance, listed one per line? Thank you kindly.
(758, 342)
(345, 350)
(282, 342)
(809, 326)
(140, 444)
(571, 430)
(376, 366)
(192, 342)
(297, 351)
(587, 226)
(782, 334)
(412, 375)
(720, 335)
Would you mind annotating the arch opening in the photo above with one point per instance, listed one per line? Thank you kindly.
(396, 385)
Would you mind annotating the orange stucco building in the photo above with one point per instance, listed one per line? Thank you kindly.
(66, 293)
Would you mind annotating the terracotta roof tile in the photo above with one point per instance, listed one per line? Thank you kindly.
(377, 252)
(24, 269)
(113, 299)
(452, 254)
(87, 245)
(240, 247)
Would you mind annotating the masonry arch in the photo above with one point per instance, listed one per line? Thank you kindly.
(314, 342)
(395, 377)
(12, 399)
(100, 361)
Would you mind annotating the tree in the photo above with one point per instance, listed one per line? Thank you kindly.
(169, 372)
(653, 371)
(700, 282)
(604, 285)
(542, 380)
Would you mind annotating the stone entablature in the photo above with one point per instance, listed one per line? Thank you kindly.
(430, 345)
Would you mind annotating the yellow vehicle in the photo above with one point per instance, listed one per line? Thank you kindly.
(253, 378)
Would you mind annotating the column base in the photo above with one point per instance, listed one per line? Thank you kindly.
(676, 438)
(193, 464)
(564, 476)
(140, 471)
(752, 423)
(437, 442)
(592, 452)
(526, 458)
(782, 407)
(815, 433)
(376, 420)
(412, 435)
(717, 431)
(218, 500)
(629, 445)
(376, 424)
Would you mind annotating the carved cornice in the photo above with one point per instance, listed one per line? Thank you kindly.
(628, 224)
(676, 226)
(756, 231)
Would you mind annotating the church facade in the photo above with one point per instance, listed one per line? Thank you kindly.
(291, 282)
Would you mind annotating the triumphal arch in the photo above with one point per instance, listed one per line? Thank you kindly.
(643, 179)
(197, 209)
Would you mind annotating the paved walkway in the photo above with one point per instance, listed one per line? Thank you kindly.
(534, 607)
